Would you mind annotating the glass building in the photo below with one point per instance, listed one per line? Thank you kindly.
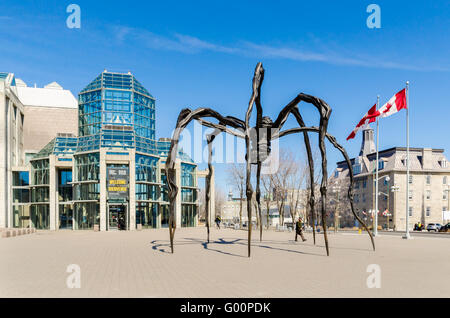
(109, 177)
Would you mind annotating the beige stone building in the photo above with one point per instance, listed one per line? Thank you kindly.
(48, 111)
(11, 142)
(429, 183)
(31, 118)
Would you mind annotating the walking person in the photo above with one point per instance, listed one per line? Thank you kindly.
(218, 222)
(299, 229)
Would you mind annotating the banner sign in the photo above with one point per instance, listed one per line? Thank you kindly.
(117, 183)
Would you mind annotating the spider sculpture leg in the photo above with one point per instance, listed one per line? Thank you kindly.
(258, 197)
(333, 141)
(312, 200)
(255, 99)
(184, 118)
(248, 192)
(325, 112)
(210, 139)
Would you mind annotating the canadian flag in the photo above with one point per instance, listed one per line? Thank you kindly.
(394, 105)
(368, 118)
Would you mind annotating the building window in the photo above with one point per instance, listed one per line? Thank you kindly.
(188, 175)
(428, 195)
(364, 182)
(356, 169)
(444, 180)
(410, 179)
(188, 215)
(444, 163)
(428, 211)
(336, 174)
(410, 211)
(444, 195)
(357, 184)
(21, 178)
(410, 195)
(428, 178)
(364, 197)
(40, 216)
(380, 165)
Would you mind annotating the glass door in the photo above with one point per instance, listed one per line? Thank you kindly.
(117, 217)
(65, 216)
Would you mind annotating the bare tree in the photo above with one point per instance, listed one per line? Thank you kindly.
(338, 203)
(236, 177)
(286, 166)
(295, 184)
(266, 181)
(219, 200)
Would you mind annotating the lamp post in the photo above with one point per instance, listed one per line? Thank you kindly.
(387, 208)
(336, 190)
(395, 188)
(375, 227)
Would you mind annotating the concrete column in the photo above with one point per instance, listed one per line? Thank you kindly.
(7, 183)
(4, 177)
(53, 193)
(103, 194)
(178, 199)
(132, 190)
(3, 156)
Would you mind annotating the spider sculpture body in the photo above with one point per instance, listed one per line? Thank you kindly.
(257, 151)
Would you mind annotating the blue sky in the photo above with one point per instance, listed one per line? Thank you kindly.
(203, 53)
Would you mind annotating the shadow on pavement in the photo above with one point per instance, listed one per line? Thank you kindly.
(164, 246)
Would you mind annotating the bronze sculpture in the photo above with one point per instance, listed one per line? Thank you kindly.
(258, 151)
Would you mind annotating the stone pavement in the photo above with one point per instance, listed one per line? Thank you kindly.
(137, 264)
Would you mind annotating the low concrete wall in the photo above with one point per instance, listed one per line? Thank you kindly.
(16, 232)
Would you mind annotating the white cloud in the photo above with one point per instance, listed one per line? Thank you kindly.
(192, 45)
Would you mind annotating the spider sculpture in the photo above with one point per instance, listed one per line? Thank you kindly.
(256, 152)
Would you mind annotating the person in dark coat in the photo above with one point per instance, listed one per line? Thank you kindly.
(299, 229)
(218, 220)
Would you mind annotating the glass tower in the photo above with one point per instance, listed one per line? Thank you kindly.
(111, 176)
(116, 111)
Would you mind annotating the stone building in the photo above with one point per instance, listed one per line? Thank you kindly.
(48, 111)
(429, 183)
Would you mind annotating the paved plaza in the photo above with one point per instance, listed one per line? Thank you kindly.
(138, 264)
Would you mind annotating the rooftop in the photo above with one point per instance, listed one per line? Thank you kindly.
(116, 81)
(51, 95)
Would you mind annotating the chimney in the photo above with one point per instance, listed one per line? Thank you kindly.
(368, 142)
(427, 158)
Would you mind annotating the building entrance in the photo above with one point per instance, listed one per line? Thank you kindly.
(117, 217)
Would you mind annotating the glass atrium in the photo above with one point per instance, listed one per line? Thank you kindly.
(116, 130)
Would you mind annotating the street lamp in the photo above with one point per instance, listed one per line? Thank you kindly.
(395, 188)
(387, 206)
(375, 228)
(336, 188)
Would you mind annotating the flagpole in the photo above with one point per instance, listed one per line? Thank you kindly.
(375, 228)
(407, 236)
